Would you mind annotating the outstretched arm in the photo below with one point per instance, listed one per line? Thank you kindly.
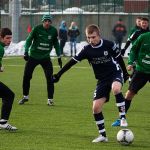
(66, 67)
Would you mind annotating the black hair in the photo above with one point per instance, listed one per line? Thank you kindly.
(4, 32)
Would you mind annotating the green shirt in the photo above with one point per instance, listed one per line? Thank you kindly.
(140, 53)
(40, 42)
(134, 29)
(2, 45)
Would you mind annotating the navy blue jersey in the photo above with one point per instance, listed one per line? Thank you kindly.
(101, 57)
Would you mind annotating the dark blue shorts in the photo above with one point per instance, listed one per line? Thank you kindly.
(103, 87)
(138, 81)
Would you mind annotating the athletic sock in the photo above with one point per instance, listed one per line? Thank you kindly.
(100, 123)
(26, 97)
(121, 105)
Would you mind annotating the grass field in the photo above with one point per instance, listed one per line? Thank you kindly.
(69, 125)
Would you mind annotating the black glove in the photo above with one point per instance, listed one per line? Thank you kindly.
(123, 51)
(55, 78)
(60, 62)
(26, 56)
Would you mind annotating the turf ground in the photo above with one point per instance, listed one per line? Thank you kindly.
(68, 125)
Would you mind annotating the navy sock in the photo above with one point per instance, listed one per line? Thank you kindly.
(120, 104)
(100, 123)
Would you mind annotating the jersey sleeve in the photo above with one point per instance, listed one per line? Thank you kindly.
(115, 50)
(134, 51)
(81, 55)
(29, 40)
(56, 43)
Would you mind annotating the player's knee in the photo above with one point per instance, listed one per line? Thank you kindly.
(95, 109)
(116, 90)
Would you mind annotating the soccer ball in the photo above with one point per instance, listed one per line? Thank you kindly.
(125, 136)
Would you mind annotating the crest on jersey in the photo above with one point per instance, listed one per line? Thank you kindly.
(105, 53)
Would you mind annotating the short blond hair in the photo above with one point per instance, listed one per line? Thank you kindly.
(92, 28)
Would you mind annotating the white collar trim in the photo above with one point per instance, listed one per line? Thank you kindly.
(101, 43)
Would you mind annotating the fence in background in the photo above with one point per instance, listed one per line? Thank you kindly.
(101, 12)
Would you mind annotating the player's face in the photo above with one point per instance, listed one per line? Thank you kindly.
(46, 24)
(144, 24)
(138, 22)
(7, 40)
(93, 38)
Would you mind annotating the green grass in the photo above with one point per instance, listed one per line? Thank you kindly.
(69, 125)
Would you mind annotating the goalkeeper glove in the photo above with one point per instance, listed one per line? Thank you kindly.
(26, 56)
(60, 62)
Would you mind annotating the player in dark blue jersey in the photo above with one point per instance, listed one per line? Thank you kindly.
(101, 54)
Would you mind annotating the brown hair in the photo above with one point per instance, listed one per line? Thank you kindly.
(145, 19)
(4, 32)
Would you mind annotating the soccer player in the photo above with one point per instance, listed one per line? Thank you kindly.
(133, 38)
(38, 46)
(144, 27)
(137, 25)
(6, 93)
(101, 54)
(140, 53)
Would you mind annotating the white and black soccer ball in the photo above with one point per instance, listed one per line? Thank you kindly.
(125, 136)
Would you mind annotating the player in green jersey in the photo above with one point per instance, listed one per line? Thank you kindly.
(38, 46)
(140, 53)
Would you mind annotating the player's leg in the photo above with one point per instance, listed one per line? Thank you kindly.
(48, 70)
(101, 95)
(7, 96)
(28, 71)
(99, 119)
(138, 81)
(120, 102)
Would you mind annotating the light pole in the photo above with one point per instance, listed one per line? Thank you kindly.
(49, 6)
(30, 5)
(15, 13)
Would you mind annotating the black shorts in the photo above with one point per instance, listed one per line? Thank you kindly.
(103, 87)
(138, 81)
